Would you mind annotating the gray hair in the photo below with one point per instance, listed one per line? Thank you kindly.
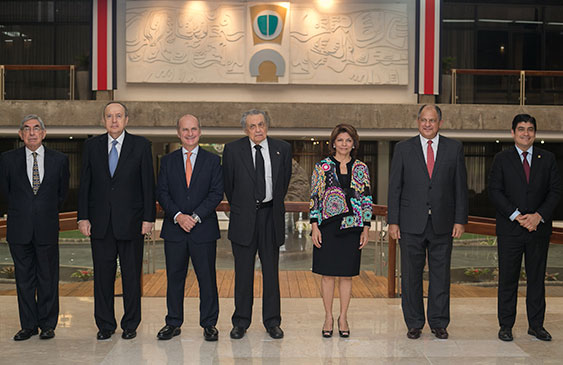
(254, 112)
(436, 107)
(185, 115)
(31, 117)
(114, 102)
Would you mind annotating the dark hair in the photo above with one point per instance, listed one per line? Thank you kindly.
(344, 128)
(114, 102)
(254, 112)
(436, 107)
(526, 118)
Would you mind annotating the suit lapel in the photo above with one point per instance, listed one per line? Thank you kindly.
(517, 163)
(22, 169)
(199, 164)
(417, 147)
(125, 152)
(536, 164)
(275, 156)
(179, 168)
(103, 151)
(246, 156)
(443, 147)
(47, 166)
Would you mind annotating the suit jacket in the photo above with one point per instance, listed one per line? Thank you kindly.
(29, 213)
(508, 190)
(127, 198)
(412, 193)
(202, 197)
(239, 178)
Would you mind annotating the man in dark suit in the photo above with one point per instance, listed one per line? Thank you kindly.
(256, 171)
(34, 180)
(525, 188)
(116, 208)
(427, 209)
(190, 186)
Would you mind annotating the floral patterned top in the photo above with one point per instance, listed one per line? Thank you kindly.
(331, 198)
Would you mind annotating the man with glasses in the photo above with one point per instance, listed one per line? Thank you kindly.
(34, 180)
(256, 171)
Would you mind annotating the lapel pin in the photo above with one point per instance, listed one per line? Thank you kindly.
(277, 152)
(539, 156)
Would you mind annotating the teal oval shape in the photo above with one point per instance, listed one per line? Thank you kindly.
(267, 24)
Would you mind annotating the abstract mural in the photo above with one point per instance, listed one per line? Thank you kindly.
(221, 42)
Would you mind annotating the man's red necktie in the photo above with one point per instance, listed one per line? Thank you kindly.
(526, 166)
(430, 158)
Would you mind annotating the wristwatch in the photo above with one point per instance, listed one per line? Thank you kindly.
(196, 218)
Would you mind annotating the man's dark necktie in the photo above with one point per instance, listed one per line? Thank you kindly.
(526, 166)
(35, 174)
(260, 191)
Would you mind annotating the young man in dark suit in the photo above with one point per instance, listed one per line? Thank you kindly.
(116, 208)
(525, 188)
(256, 171)
(427, 209)
(34, 180)
(190, 186)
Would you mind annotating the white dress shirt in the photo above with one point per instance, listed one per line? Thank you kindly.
(267, 167)
(529, 158)
(424, 143)
(40, 163)
(118, 145)
(193, 157)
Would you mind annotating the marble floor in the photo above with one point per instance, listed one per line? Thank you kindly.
(377, 337)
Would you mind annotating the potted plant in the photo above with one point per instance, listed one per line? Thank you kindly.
(83, 77)
(446, 92)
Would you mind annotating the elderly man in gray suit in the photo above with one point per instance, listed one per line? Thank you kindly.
(427, 209)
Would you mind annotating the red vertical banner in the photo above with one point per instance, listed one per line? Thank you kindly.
(428, 44)
(103, 44)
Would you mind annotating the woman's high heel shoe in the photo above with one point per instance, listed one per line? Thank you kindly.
(344, 334)
(328, 333)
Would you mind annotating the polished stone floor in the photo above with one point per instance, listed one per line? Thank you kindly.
(377, 337)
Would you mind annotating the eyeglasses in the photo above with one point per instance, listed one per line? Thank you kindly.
(424, 120)
(36, 129)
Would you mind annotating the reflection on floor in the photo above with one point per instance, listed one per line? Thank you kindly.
(293, 284)
(377, 337)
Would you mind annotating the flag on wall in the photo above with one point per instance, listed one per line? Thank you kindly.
(103, 45)
(428, 47)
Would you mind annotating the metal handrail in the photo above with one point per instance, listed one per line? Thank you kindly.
(491, 72)
(71, 69)
(477, 225)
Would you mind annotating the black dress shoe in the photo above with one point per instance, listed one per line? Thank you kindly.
(505, 334)
(440, 333)
(104, 334)
(167, 332)
(237, 332)
(129, 334)
(47, 333)
(414, 333)
(25, 334)
(210, 333)
(540, 333)
(275, 332)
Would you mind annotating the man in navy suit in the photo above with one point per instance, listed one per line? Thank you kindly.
(116, 208)
(427, 209)
(257, 170)
(190, 186)
(34, 179)
(525, 188)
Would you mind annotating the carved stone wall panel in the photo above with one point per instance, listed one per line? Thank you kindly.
(246, 43)
(185, 42)
(352, 44)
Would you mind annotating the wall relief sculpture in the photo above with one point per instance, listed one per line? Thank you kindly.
(221, 42)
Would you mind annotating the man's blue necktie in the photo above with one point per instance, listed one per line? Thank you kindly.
(113, 157)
